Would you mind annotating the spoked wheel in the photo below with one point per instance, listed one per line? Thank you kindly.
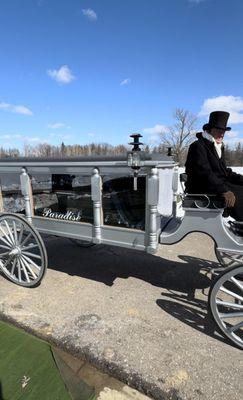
(23, 257)
(226, 303)
(82, 243)
(228, 259)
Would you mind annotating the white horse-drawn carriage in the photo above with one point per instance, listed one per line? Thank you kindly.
(128, 201)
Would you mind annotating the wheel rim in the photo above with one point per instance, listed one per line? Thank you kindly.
(226, 303)
(228, 259)
(22, 252)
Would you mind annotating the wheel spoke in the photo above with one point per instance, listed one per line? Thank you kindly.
(6, 238)
(237, 283)
(227, 291)
(9, 231)
(4, 247)
(6, 263)
(23, 256)
(26, 239)
(24, 269)
(31, 246)
(13, 266)
(28, 267)
(30, 261)
(229, 304)
(15, 232)
(235, 314)
(226, 303)
(4, 254)
(21, 234)
(236, 327)
(31, 254)
(19, 270)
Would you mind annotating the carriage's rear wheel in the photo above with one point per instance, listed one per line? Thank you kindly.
(23, 257)
(226, 303)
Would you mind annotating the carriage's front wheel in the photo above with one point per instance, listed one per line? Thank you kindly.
(23, 257)
(226, 303)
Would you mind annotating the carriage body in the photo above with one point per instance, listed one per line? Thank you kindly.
(93, 200)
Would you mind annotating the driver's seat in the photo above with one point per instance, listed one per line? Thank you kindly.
(201, 200)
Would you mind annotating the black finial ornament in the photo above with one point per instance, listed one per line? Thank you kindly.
(136, 142)
(135, 157)
(169, 151)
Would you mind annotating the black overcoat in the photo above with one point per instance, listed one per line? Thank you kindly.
(206, 172)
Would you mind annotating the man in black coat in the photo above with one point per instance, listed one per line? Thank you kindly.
(206, 169)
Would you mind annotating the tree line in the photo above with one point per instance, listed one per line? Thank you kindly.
(177, 137)
(62, 150)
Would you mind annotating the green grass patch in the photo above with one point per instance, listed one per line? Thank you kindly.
(27, 368)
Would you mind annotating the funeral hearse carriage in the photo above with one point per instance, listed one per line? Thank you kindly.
(129, 201)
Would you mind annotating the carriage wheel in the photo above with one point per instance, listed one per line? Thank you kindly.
(23, 257)
(226, 303)
(228, 259)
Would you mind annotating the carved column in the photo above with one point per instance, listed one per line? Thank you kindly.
(1, 199)
(175, 182)
(153, 198)
(26, 190)
(96, 195)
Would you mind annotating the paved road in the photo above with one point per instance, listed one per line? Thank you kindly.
(139, 317)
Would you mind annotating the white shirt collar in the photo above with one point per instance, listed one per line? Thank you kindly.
(218, 146)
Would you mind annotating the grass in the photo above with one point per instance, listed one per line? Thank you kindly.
(28, 370)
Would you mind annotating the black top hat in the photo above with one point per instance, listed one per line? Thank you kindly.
(218, 119)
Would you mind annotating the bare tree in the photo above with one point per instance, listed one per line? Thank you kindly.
(181, 134)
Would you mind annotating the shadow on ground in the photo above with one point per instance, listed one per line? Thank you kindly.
(184, 283)
(181, 280)
(105, 263)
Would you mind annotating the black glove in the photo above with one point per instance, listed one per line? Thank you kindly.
(229, 198)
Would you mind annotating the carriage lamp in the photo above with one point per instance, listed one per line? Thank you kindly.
(170, 152)
(135, 158)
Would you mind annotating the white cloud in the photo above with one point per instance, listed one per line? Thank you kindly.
(62, 75)
(15, 109)
(15, 136)
(33, 139)
(196, 1)
(232, 138)
(233, 142)
(56, 125)
(232, 104)
(231, 134)
(23, 138)
(60, 136)
(90, 14)
(156, 129)
(126, 81)
(91, 134)
(153, 134)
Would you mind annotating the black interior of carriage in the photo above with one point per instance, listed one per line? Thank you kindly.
(122, 205)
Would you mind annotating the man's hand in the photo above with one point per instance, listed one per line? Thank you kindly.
(229, 198)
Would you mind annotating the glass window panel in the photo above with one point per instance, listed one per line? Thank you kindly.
(122, 205)
(63, 196)
(11, 192)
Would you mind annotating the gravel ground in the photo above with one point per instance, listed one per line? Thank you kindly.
(141, 318)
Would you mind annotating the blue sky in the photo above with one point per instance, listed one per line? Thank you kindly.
(98, 70)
